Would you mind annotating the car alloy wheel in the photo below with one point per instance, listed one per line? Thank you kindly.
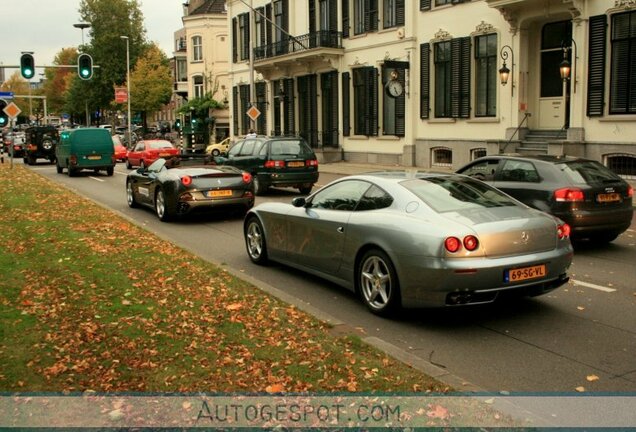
(160, 206)
(378, 282)
(130, 197)
(255, 241)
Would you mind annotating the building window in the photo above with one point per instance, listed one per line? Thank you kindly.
(623, 66)
(244, 36)
(476, 153)
(365, 101)
(442, 157)
(197, 48)
(623, 164)
(486, 75)
(393, 107)
(281, 27)
(198, 86)
(182, 70)
(442, 60)
(365, 16)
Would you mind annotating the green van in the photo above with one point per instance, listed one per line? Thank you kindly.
(85, 148)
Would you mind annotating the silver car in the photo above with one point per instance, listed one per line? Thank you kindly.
(404, 239)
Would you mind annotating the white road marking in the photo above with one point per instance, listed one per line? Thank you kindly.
(593, 286)
(95, 178)
(122, 173)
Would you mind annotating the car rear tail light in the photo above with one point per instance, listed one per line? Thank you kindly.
(275, 164)
(186, 180)
(452, 244)
(563, 231)
(630, 191)
(311, 163)
(569, 195)
(471, 242)
(247, 177)
(113, 158)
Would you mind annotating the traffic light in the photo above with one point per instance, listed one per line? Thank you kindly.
(85, 66)
(27, 66)
(4, 118)
(177, 124)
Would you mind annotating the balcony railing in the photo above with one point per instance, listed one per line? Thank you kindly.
(319, 39)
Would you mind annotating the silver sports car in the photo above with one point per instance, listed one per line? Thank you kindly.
(404, 239)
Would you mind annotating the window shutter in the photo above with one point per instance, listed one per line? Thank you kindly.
(312, 16)
(290, 118)
(346, 117)
(345, 18)
(244, 92)
(425, 4)
(400, 107)
(371, 84)
(460, 77)
(371, 15)
(333, 15)
(399, 12)
(268, 29)
(235, 109)
(234, 41)
(596, 69)
(425, 80)
(261, 104)
(307, 104)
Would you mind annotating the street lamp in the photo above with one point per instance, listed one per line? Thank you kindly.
(83, 26)
(128, 86)
(504, 72)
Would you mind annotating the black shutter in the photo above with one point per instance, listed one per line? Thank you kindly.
(312, 16)
(346, 111)
(371, 111)
(425, 80)
(370, 15)
(285, 26)
(460, 77)
(261, 104)
(235, 109)
(307, 109)
(290, 118)
(262, 37)
(234, 41)
(268, 29)
(425, 4)
(596, 69)
(244, 92)
(333, 15)
(400, 107)
(246, 37)
(345, 18)
(399, 12)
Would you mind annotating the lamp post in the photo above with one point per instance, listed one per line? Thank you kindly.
(504, 72)
(83, 26)
(128, 86)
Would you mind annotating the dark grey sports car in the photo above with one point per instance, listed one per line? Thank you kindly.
(186, 184)
(414, 240)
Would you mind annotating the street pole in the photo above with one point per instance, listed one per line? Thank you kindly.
(83, 26)
(128, 87)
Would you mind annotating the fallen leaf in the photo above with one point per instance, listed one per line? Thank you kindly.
(234, 306)
(274, 388)
(580, 308)
(438, 411)
(580, 389)
(591, 378)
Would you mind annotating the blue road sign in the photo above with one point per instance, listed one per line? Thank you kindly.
(6, 95)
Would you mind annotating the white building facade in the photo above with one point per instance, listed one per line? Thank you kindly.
(418, 82)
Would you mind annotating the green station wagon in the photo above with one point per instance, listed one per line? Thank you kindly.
(275, 161)
(85, 148)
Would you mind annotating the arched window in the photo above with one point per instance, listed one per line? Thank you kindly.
(198, 86)
(441, 156)
(476, 153)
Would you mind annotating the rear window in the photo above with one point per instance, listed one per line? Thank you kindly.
(160, 144)
(454, 193)
(588, 172)
(293, 148)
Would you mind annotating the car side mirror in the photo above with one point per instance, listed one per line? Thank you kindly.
(141, 170)
(299, 202)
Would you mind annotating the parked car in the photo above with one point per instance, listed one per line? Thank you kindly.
(146, 152)
(594, 201)
(220, 148)
(121, 152)
(19, 143)
(275, 161)
(185, 184)
(41, 142)
(85, 148)
(414, 240)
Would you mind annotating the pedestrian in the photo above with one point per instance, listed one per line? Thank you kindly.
(251, 134)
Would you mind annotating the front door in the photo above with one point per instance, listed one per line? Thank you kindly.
(556, 39)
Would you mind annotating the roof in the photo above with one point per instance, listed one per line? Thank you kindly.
(210, 7)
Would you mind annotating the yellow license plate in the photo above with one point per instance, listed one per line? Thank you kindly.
(94, 157)
(219, 193)
(524, 273)
(295, 164)
(608, 197)
(164, 154)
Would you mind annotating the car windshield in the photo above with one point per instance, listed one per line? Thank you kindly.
(159, 144)
(588, 172)
(453, 193)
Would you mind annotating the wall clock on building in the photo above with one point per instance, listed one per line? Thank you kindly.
(394, 87)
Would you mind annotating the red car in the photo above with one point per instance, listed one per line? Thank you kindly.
(147, 151)
(121, 152)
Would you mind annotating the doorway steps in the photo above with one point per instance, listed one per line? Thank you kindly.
(536, 141)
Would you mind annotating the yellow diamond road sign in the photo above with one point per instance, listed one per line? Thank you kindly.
(13, 111)
(253, 113)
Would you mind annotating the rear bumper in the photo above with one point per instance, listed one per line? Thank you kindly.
(584, 222)
(289, 179)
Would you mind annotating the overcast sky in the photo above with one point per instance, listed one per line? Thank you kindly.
(46, 26)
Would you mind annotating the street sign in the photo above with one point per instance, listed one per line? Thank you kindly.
(6, 95)
(121, 94)
(12, 110)
(253, 113)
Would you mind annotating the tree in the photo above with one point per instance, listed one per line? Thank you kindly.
(57, 81)
(150, 82)
(19, 86)
(110, 19)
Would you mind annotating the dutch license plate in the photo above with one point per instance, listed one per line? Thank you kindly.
(524, 273)
(94, 157)
(608, 197)
(219, 193)
(296, 164)
(164, 154)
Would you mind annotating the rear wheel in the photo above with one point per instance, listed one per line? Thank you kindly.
(58, 168)
(161, 208)
(378, 283)
(128, 165)
(259, 187)
(142, 164)
(130, 196)
(603, 237)
(255, 241)
(110, 171)
(216, 152)
(72, 172)
(305, 190)
(31, 160)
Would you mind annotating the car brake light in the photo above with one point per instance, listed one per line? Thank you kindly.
(274, 164)
(452, 244)
(186, 180)
(247, 177)
(569, 195)
(311, 163)
(471, 242)
(630, 191)
(563, 231)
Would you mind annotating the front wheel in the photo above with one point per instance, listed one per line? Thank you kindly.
(161, 208)
(255, 241)
(378, 283)
(128, 164)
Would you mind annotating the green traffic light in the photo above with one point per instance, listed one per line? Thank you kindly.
(2, 120)
(84, 72)
(28, 73)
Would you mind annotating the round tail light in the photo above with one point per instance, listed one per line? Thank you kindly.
(186, 180)
(452, 244)
(471, 242)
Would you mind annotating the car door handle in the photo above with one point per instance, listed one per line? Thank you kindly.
(340, 229)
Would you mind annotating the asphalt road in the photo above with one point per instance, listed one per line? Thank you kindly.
(557, 342)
